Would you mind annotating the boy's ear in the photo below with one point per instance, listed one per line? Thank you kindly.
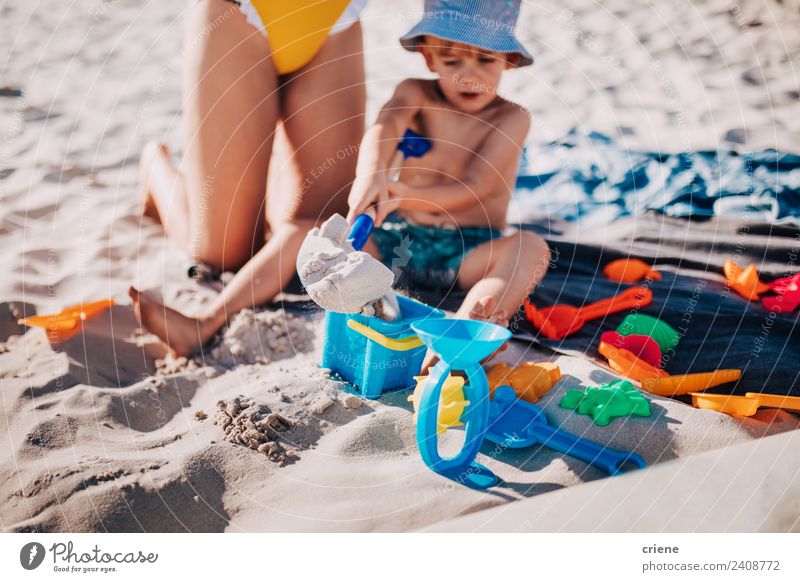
(512, 60)
(425, 51)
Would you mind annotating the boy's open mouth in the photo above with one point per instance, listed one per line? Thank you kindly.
(469, 94)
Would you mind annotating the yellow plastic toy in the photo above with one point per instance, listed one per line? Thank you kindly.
(451, 402)
(688, 383)
(297, 29)
(530, 380)
(746, 405)
(744, 281)
(398, 345)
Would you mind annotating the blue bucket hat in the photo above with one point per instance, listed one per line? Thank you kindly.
(486, 24)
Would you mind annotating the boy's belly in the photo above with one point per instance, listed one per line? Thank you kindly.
(491, 211)
(481, 215)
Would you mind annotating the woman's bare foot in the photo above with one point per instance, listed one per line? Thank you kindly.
(182, 334)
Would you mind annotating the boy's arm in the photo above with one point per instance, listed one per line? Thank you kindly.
(502, 147)
(379, 146)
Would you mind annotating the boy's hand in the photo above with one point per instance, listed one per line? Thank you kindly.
(398, 192)
(367, 193)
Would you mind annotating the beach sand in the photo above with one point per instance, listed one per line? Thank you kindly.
(103, 432)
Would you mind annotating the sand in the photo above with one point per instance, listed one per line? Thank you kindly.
(336, 276)
(105, 433)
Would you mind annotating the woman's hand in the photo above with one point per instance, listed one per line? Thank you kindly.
(367, 193)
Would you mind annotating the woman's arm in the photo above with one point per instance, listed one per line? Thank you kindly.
(483, 175)
(378, 147)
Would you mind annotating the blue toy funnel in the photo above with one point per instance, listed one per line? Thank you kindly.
(461, 341)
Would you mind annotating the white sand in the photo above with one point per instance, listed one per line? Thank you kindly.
(102, 435)
(338, 277)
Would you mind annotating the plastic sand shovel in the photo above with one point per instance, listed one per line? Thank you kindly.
(641, 324)
(413, 145)
(530, 380)
(461, 344)
(744, 281)
(630, 271)
(515, 424)
(688, 383)
(559, 321)
(360, 231)
(641, 346)
(607, 401)
(746, 405)
(624, 362)
(69, 317)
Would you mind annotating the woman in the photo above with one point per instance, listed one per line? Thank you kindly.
(251, 68)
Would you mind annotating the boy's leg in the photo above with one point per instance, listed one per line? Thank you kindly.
(500, 273)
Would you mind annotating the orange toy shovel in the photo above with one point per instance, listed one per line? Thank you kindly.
(628, 364)
(688, 383)
(559, 321)
(69, 317)
(746, 405)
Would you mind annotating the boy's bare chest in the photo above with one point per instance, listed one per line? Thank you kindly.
(455, 139)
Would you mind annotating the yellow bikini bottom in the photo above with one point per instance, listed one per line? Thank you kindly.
(296, 29)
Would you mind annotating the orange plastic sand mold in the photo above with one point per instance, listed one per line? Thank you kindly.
(559, 321)
(744, 281)
(687, 383)
(630, 271)
(746, 405)
(626, 363)
(530, 380)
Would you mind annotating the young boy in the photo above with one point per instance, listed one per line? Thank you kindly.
(451, 203)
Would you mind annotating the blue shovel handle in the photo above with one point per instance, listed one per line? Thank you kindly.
(413, 145)
(588, 451)
(360, 231)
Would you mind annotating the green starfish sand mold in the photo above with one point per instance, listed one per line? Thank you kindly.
(607, 401)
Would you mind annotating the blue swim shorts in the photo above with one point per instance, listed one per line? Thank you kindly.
(427, 257)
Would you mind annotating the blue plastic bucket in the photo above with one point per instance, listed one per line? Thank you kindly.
(376, 364)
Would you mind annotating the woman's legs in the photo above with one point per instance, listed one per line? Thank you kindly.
(230, 110)
(323, 138)
(322, 106)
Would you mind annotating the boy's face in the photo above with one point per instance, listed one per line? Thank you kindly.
(468, 76)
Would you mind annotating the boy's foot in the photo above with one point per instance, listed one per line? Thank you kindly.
(484, 310)
(182, 334)
(153, 153)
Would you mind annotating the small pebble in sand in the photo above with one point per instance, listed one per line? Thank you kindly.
(200, 415)
(321, 404)
(352, 402)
